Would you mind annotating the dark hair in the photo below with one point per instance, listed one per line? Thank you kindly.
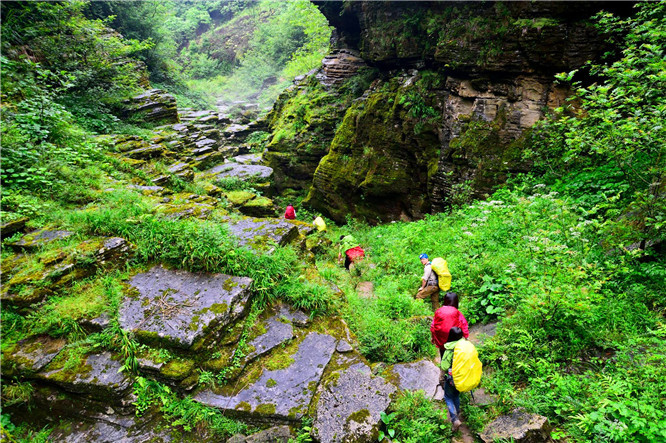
(450, 299)
(455, 334)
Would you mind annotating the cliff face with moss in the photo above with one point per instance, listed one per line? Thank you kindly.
(422, 105)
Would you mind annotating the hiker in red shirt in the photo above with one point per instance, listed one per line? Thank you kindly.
(290, 213)
(446, 318)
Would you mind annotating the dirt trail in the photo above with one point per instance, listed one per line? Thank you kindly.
(365, 289)
(465, 436)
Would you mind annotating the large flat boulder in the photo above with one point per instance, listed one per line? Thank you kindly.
(519, 426)
(117, 428)
(248, 159)
(30, 355)
(422, 375)
(241, 171)
(181, 309)
(350, 401)
(276, 333)
(25, 283)
(36, 239)
(278, 394)
(261, 232)
(98, 376)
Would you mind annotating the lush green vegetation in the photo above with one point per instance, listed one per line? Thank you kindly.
(569, 263)
(278, 41)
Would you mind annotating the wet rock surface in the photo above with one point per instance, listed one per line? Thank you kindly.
(37, 239)
(283, 394)
(421, 375)
(248, 159)
(519, 426)
(479, 333)
(153, 105)
(349, 404)
(277, 332)
(339, 65)
(11, 227)
(259, 233)
(276, 434)
(180, 309)
(116, 428)
(99, 375)
(30, 355)
(241, 171)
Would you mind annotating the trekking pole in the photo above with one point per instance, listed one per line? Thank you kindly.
(435, 393)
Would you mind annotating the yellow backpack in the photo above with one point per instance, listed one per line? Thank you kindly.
(441, 268)
(467, 367)
(320, 224)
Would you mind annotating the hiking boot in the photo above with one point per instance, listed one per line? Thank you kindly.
(456, 425)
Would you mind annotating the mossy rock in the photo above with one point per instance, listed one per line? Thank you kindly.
(258, 207)
(283, 393)
(239, 198)
(177, 369)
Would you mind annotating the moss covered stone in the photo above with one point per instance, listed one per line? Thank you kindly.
(177, 369)
(380, 162)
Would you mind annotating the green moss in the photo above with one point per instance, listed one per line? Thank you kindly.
(266, 409)
(359, 416)
(239, 198)
(177, 369)
(219, 308)
(244, 406)
(270, 383)
(280, 360)
(229, 284)
(69, 364)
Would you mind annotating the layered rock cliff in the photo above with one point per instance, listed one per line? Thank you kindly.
(425, 104)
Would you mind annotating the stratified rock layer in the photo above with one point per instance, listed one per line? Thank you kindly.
(181, 309)
(99, 375)
(282, 393)
(350, 403)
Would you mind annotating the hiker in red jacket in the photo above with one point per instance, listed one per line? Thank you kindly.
(446, 318)
(290, 213)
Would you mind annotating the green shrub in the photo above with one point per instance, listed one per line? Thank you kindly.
(416, 419)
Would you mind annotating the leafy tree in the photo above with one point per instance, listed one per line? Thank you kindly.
(145, 21)
(614, 141)
(58, 69)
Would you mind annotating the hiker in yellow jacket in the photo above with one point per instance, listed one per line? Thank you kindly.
(451, 394)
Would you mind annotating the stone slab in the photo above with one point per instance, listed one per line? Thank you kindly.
(13, 226)
(180, 308)
(247, 159)
(519, 426)
(99, 375)
(241, 171)
(281, 394)
(349, 405)
(257, 232)
(422, 375)
(36, 239)
(296, 317)
(277, 332)
(478, 333)
(30, 355)
(145, 153)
